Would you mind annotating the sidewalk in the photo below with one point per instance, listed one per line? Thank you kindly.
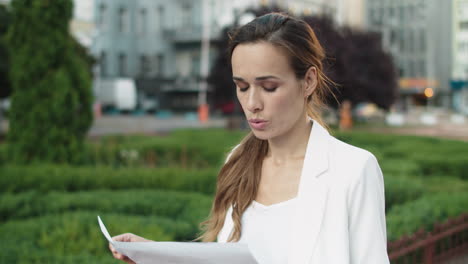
(448, 131)
(147, 124)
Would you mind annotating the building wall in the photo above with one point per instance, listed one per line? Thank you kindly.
(460, 40)
(460, 55)
(420, 44)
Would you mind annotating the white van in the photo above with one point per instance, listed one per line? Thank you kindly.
(120, 93)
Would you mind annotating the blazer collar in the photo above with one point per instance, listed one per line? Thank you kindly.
(312, 196)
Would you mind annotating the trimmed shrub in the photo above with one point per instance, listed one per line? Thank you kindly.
(188, 207)
(51, 101)
(183, 148)
(399, 167)
(67, 178)
(406, 219)
(399, 190)
(77, 235)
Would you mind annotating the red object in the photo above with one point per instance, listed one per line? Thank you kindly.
(203, 113)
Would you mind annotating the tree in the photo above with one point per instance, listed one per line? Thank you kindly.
(51, 100)
(4, 81)
(355, 61)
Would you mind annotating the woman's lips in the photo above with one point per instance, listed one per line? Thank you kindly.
(258, 124)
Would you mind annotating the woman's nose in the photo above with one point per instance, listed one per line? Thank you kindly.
(254, 100)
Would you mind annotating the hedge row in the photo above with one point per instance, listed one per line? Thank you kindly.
(76, 236)
(401, 189)
(186, 148)
(188, 207)
(68, 178)
(430, 156)
(406, 219)
(409, 155)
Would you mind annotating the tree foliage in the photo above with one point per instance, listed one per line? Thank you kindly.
(356, 62)
(4, 80)
(51, 101)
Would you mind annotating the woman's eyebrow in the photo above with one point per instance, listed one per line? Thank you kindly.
(261, 78)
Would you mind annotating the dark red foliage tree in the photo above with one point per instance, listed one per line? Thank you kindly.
(356, 62)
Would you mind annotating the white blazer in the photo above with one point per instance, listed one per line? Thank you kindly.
(340, 214)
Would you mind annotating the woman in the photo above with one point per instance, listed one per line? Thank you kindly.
(290, 190)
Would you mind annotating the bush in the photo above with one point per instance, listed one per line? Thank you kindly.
(75, 236)
(399, 190)
(184, 148)
(50, 111)
(456, 165)
(406, 219)
(68, 178)
(399, 167)
(188, 207)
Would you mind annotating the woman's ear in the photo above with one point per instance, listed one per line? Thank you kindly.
(310, 81)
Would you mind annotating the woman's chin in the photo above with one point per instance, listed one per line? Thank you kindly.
(262, 135)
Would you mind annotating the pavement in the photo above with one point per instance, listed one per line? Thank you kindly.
(148, 124)
(151, 124)
(447, 131)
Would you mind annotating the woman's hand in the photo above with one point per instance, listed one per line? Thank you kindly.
(127, 237)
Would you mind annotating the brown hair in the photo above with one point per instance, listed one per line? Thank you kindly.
(239, 178)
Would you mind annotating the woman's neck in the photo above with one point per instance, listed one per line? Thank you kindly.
(292, 145)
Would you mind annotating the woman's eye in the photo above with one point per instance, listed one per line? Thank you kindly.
(269, 88)
(243, 88)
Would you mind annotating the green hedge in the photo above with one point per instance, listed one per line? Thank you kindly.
(185, 148)
(68, 178)
(188, 207)
(400, 189)
(429, 156)
(405, 219)
(76, 236)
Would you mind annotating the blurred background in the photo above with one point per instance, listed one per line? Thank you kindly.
(126, 109)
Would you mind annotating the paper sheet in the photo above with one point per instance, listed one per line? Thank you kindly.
(182, 252)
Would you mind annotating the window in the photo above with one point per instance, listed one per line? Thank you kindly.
(160, 16)
(401, 40)
(422, 68)
(123, 23)
(464, 25)
(159, 64)
(401, 12)
(144, 66)
(186, 15)
(411, 71)
(411, 41)
(142, 22)
(422, 39)
(103, 63)
(122, 64)
(102, 17)
(196, 65)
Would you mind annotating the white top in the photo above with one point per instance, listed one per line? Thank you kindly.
(266, 230)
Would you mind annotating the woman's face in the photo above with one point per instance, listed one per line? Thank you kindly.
(267, 88)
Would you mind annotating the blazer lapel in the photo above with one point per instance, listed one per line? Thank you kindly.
(312, 195)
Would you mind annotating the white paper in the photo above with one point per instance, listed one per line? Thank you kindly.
(182, 252)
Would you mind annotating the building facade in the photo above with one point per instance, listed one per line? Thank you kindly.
(459, 82)
(161, 40)
(420, 44)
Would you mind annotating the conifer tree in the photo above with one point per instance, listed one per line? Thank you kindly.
(51, 84)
